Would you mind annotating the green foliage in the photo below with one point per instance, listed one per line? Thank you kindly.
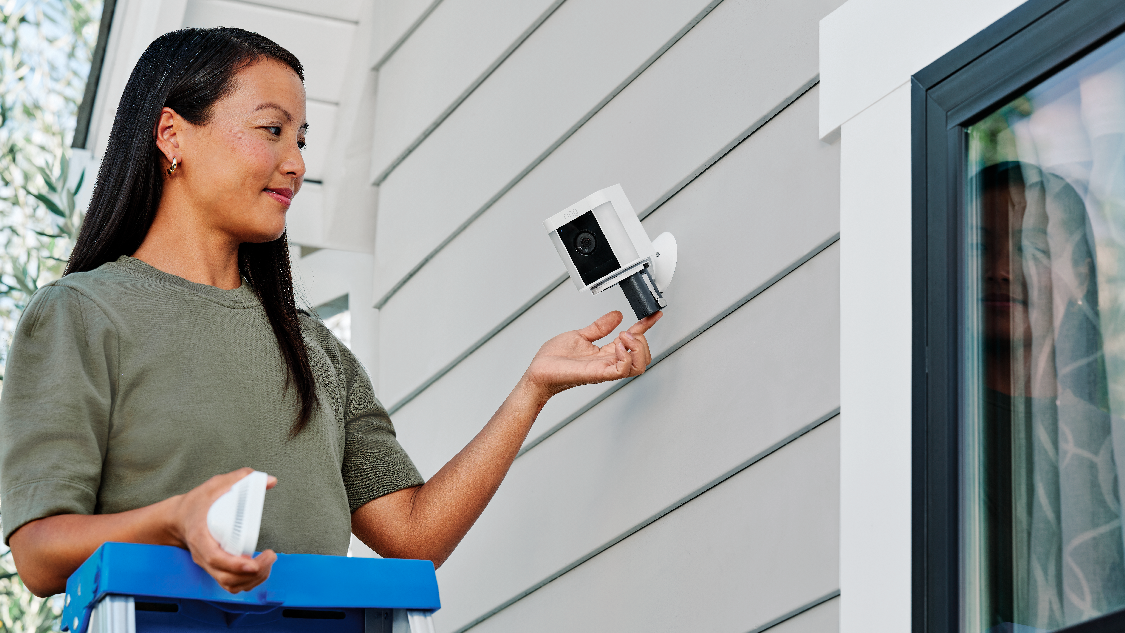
(45, 52)
(20, 610)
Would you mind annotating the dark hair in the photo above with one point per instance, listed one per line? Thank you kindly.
(188, 70)
(1004, 174)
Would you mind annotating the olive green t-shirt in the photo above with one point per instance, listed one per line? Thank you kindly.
(127, 385)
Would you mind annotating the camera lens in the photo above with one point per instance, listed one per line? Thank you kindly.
(585, 243)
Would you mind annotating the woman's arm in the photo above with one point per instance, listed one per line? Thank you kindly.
(48, 550)
(428, 521)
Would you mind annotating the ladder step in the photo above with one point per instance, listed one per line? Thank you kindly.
(130, 588)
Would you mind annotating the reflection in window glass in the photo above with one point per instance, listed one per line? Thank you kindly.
(1045, 353)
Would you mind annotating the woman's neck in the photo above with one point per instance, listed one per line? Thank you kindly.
(179, 245)
(1008, 370)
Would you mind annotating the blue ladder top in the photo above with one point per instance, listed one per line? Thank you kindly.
(297, 581)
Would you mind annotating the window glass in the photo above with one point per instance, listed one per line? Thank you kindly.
(1044, 441)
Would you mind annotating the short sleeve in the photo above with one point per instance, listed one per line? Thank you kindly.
(55, 408)
(375, 464)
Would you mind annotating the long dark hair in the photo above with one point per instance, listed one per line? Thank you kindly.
(188, 70)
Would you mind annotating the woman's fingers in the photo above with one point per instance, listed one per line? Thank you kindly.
(636, 344)
(624, 358)
(235, 583)
(214, 487)
(237, 573)
(642, 326)
(600, 328)
(639, 352)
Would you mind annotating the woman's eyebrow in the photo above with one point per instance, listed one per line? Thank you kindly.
(274, 106)
(288, 117)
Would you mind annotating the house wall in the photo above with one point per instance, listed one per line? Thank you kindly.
(703, 495)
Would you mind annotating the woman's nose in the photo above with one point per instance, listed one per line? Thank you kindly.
(998, 266)
(294, 164)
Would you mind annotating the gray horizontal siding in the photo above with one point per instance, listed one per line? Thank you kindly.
(442, 59)
(747, 218)
(546, 86)
(656, 132)
(704, 494)
(349, 10)
(320, 43)
(758, 376)
(762, 544)
(395, 21)
(822, 618)
(322, 122)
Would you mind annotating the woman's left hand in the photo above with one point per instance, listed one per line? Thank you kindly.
(571, 359)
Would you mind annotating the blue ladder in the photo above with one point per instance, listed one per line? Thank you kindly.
(131, 588)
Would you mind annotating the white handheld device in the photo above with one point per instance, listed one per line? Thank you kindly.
(236, 517)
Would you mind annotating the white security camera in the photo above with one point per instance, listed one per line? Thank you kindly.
(603, 244)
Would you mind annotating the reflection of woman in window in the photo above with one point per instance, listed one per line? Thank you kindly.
(1052, 544)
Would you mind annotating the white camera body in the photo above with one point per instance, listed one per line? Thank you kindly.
(603, 244)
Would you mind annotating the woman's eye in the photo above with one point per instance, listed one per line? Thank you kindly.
(274, 129)
(301, 144)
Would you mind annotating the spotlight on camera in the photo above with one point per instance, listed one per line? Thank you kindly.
(603, 244)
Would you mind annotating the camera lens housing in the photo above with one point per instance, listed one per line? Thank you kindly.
(585, 243)
(588, 247)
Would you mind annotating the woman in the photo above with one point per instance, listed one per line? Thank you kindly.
(172, 350)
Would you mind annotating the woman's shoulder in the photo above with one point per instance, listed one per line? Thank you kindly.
(57, 311)
(103, 280)
(331, 348)
(76, 292)
(317, 333)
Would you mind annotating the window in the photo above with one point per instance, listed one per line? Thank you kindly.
(1019, 396)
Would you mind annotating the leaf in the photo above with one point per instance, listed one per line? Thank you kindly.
(50, 204)
(49, 179)
(81, 179)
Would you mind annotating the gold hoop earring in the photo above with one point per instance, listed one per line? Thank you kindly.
(172, 169)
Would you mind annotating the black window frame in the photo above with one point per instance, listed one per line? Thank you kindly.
(996, 65)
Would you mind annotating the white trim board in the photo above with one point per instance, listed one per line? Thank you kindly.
(870, 47)
(868, 51)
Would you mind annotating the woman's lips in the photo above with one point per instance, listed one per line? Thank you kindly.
(997, 300)
(284, 196)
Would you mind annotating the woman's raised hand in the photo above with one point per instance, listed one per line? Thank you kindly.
(233, 573)
(572, 358)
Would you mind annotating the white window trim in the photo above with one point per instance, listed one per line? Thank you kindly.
(868, 51)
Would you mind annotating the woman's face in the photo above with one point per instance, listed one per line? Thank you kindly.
(1006, 235)
(242, 168)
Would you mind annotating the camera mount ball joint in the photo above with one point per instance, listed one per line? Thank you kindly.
(603, 244)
